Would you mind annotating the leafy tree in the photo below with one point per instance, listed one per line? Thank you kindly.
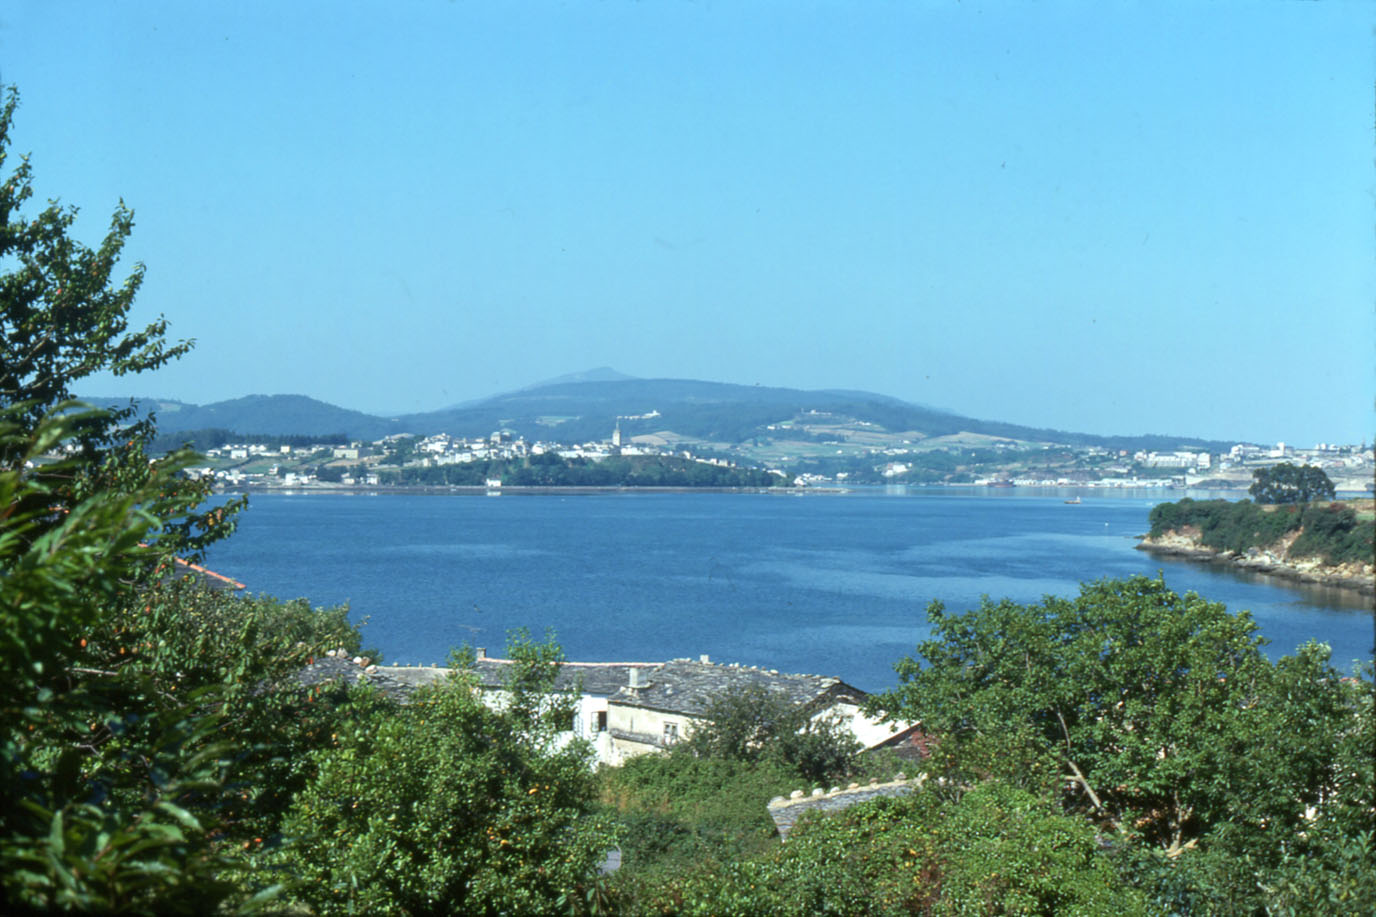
(1289, 483)
(144, 730)
(86, 516)
(63, 318)
(446, 805)
(1155, 716)
(135, 709)
(64, 842)
(755, 723)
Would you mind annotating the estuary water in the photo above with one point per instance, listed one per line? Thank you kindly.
(826, 583)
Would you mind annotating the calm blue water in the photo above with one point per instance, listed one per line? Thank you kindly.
(832, 584)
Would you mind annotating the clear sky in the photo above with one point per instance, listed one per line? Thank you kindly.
(1111, 218)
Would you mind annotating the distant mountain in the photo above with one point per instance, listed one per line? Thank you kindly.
(588, 406)
(600, 374)
(724, 413)
(269, 414)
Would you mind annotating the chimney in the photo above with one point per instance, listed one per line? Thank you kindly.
(705, 659)
(482, 652)
(635, 678)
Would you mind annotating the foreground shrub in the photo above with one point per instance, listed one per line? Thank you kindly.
(1206, 766)
(994, 850)
(447, 806)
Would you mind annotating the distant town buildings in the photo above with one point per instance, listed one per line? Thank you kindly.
(891, 459)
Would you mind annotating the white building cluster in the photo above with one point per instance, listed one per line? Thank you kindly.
(434, 450)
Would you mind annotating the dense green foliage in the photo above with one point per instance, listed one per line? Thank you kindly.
(1128, 751)
(1290, 483)
(161, 757)
(1157, 719)
(994, 850)
(106, 746)
(1335, 533)
(1331, 531)
(756, 724)
(446, 805)
(1226, 525)
(678, 810)
(148, 724)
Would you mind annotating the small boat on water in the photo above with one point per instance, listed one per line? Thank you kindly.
(1073, 500)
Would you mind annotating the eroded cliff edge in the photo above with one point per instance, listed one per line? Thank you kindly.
(1273, 559)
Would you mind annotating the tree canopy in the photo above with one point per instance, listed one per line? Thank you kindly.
(1155, 716)
(446, 805)
(1290, 483)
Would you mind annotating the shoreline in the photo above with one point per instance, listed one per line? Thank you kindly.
(1089, 490)
(516, 490)
(1315, 575)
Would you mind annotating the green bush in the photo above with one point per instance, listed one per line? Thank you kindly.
(994, 850)
(101, 768)
(1225, 525)
(446, 805)
(1158, 715)
(1333, 532)
(679, 806)
(755, 723)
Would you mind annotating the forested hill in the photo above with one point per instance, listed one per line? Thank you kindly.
(272, 415)
(582, 411)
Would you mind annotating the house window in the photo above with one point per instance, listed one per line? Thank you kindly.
(670, 733)
(601, 721)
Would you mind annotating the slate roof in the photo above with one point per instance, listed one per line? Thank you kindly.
(681, 686)
(688, 687)
(604, 678)
(341, 670)
(596, 678)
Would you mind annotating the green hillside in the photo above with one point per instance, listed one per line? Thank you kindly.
(582, 411)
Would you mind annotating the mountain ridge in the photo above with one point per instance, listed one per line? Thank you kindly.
(583, 407)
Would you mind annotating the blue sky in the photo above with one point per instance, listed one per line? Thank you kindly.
(1111, 218)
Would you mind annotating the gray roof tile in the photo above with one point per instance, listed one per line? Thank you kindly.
(684, 686)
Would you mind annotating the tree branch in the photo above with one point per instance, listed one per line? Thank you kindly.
(1065, 731)
(1079, 777)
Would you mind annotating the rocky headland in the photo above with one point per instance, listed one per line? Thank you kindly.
(1273, 559)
